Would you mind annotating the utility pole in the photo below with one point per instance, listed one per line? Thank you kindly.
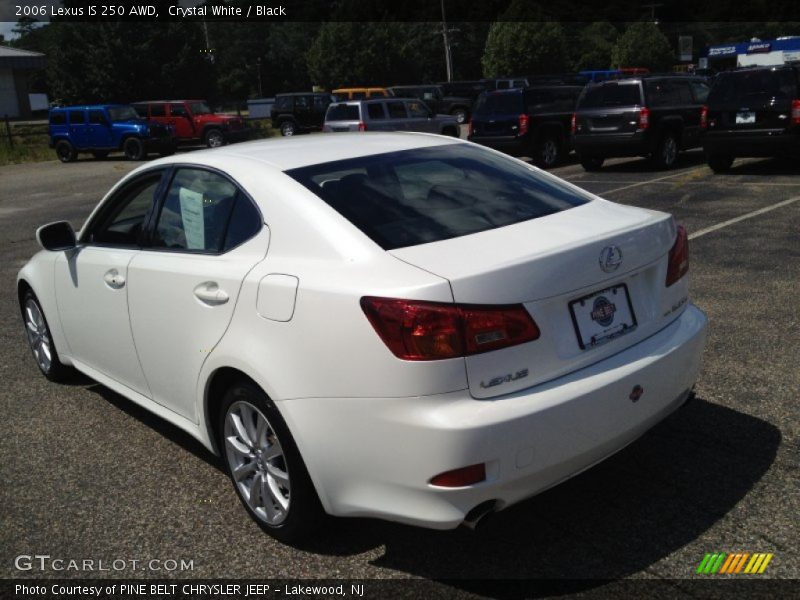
(448, 56)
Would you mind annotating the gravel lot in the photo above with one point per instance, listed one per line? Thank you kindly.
(88, 474)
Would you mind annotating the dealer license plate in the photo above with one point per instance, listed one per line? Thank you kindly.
(602, 316)
(745, 118)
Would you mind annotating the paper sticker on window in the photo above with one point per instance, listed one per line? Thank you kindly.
(192, 216)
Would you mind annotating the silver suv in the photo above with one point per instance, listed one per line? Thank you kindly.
(388, 114)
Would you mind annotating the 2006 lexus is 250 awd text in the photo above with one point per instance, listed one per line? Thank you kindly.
(403, 326)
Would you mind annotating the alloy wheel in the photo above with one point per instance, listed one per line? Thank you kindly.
(38, 335)
(257, 463)
(215, 139)
(669, 151)
(549, 152)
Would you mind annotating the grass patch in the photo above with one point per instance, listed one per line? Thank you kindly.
(30, 144)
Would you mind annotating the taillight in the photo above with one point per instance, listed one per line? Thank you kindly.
(678, 264)
(574, 123)
(418, 330)
(644, 118)
(362, 126)
(460, 477)
(471, 129)
(796, 112)
(704, 118)
(523, 124)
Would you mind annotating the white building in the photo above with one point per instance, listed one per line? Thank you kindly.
(15, 68)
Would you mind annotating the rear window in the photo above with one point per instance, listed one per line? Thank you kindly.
(754, 85)
(499, 104)
(426, 195)
(343, 112)
(610, 94)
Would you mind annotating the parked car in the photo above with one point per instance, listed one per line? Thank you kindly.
(435, 98)
(359, 93)
(300, 112)
(195, 122)
(467, 89)
(391, 114)
(651, 116)
(104, 128)
(533, 121)
(409, 327)
(510, 83)
(753, 112)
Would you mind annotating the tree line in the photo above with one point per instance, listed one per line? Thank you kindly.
(231, 61)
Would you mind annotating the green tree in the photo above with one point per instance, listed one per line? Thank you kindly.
(595, 44)
(643, 45)
(524, 47)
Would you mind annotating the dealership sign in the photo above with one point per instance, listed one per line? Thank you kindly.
(759, 47)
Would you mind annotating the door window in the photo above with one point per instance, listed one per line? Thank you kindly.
(283, 103)
(700, 91)
(375, 111)
(178, 110)
(96, 117)
(200, 208)
(77, 117)
(397, 110)
(122, 222)
(158, 110)
(417, 110)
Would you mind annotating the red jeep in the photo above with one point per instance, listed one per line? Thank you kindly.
(194, 121)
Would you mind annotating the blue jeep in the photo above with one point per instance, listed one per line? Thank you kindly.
(103, 128)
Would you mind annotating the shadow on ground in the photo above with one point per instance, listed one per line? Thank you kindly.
(615, 520)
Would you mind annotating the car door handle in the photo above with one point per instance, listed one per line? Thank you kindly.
(114, 279)
(210, 293)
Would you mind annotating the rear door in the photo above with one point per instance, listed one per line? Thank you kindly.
(610, 107)
(158, 113)
(99, 129)
(181, 120)
(398, 117)
(78, 129)
(377, 116)
(183, 285)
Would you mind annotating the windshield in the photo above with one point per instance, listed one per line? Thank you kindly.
(748, 85)
(200, 108)
(499, 103)
(610, 94)
(424, 195)
(122, 113)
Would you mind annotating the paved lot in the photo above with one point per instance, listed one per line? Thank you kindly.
(88, 474)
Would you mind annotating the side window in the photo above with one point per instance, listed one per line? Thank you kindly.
(397, 110)
(375, 111)
(77, 117)
(96, 117)
(141, 110)
(417, 110)
(58, 118)
(178, 110)
(700, 91)
(283, 103)
(321, 103)
(302, 102)
(158, 110)
(123, 222)
(196, 212)
(245, 222)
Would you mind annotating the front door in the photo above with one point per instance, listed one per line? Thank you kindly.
(92, 285)
(181, 120)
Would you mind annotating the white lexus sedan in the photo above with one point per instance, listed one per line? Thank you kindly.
(403, 326)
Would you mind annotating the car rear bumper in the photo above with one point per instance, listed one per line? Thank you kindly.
(375, 456)
(752, 143)
(505, 143)
(612, 144)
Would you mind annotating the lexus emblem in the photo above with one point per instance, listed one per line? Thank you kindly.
(610, 258)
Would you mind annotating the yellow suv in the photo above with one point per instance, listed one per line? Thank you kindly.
(359, 93)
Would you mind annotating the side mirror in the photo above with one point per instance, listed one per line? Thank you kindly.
(56, 236)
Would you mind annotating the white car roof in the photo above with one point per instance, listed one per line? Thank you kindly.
(302, 151)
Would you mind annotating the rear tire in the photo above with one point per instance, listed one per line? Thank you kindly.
(265, 466)
(133, 149)
(719, 163)
(288, 128)
(548, 151)
(461, 115)
(592, 163)
(65, 151)
(666, 154)
(40, 340)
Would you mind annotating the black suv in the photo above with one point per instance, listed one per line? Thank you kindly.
(533, 121)
(300, 112)
(753, 112)
(436, 99)
(651, 116)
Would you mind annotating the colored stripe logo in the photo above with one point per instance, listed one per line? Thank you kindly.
(733, 563)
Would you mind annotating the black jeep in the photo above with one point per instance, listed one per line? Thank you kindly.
(437, 101)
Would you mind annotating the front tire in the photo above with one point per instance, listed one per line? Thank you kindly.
(592, 163)
(265, 466)
(65, 151)
(214, 138)
(40, 340)
(133, 149)
(719, 163)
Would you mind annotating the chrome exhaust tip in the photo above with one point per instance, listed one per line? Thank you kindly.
(477, 517)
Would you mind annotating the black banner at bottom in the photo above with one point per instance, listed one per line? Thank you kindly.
(372, 589)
